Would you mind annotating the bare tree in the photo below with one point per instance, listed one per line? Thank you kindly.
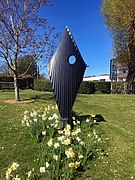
(23, 31)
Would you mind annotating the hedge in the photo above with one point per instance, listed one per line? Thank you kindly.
(6, 78)
(118, 87)
(6, 85)
(102, 87)
(25, 82)
(86, 87)
(42, 85)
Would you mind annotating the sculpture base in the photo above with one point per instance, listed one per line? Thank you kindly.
(64, 122)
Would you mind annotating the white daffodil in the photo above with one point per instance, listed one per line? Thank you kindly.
(35, 119)
(80, 156)
(42, 169)
(47, 164)
(61, 138)
(29, 173)
(50, 143)
(55, 116)
(43, 133)
(87, 120)
(55, 157)
(14, 166)
(78, 139)
(56, 145)
(78, 122)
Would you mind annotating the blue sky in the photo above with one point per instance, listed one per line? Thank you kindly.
(87, 28)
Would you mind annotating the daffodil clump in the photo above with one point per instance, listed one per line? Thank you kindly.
(62, 153)
(41, 123)
(11, 172)
(68, 151)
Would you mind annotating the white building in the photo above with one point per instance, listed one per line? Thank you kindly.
(102, 78)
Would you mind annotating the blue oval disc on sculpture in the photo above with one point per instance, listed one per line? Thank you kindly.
(66, 70)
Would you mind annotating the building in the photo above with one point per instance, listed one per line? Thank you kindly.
(122, 72)
(118, 70)
(113, 70)
(101, 78)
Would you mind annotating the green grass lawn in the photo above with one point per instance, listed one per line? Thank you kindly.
(118, 110)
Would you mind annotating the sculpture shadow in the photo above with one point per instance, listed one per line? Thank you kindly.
(43, 97)
(98, 118)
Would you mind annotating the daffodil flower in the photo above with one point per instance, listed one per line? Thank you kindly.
(42, 169)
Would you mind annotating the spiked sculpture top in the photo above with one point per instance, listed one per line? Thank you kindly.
(66, 76)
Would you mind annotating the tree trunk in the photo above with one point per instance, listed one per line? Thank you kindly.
(17, 98)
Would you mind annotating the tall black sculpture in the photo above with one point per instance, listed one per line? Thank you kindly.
(66, 75)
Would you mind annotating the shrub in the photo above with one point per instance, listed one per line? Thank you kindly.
(26, 83)
(86, 87)
(42, 85)
(102, 87)
(117, 87)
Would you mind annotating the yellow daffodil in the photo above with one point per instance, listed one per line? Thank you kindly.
(14, 166)
(67, 128)
(93, 115)
(29, 173)
(43, 117)
(77, 164)
(48, 107)
(55, 157)
(16, 178)
(69, 153)
(66, 141)
(60, 131)
(67, 133)
(26, 112)
(71, 165)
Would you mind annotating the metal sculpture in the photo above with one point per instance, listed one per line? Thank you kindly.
(66, 75)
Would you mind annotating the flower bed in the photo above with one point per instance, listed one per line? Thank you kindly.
(63, 153)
